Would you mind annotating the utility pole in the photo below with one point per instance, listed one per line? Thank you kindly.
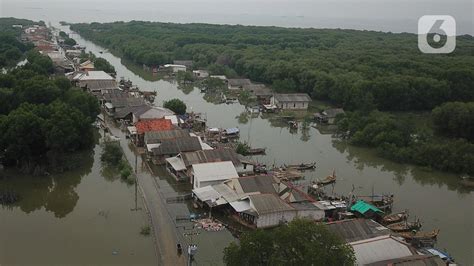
(136, 175)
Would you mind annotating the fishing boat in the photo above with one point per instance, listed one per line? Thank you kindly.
(394, 218)
(405, 226)
(302, 166)
(327, 180)
(383, 202)
(420, 235)
(256, 151)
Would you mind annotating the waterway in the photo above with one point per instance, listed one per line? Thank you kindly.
(82, 217)
(85, 216)
(435, 197)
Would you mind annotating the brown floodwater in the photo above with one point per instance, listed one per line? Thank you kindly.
(80, 217)
(435, 197)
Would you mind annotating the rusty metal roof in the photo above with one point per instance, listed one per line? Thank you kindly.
(206, 156)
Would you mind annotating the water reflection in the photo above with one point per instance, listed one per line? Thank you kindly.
(56, 193)
(243, 118)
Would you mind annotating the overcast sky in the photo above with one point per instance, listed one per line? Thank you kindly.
(385, 15)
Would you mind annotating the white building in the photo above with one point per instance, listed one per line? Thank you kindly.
(200, 74)
(291, 101)
(207, 174)
(175, 68)
(95, 80)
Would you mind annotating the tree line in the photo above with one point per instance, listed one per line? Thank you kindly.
(42, 118)
(446, 146)
(11, 48)
(358, 70)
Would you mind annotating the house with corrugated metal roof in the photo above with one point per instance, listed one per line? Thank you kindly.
(291, 101)
(95, 80)
(371, 241)
(167, 148)
(208, 174)
(237, 84)
(259, 201)
(180, 166)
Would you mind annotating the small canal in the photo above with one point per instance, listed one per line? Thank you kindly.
(86, 217)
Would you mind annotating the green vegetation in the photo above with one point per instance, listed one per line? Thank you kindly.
(11, 49)
(176, 105)
(42, 119)
(455, 119)
(100, 64)
(362, 71)
(112, 156)
(301, 242)
(184, 77)
(67, 40)
(145, 230)
(242, 148)
(358, 70)
(398, 139)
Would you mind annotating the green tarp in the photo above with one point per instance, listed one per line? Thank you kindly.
(363, 207)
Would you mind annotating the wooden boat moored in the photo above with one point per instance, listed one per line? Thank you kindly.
(327, 180)
(302, 166)
(420, 235)
(405, 226)
(394, 218)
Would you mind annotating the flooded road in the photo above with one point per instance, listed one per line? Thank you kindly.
(435, 197)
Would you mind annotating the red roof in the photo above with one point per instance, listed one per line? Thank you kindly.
(153, 125)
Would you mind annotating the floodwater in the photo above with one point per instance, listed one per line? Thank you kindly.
(81, 217)
(85, 217)
(435, 197)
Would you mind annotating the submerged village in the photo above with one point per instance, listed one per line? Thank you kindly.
(227, 187)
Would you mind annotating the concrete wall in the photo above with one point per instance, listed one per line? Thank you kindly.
(311, 214)
(293, 106)
(274, 218)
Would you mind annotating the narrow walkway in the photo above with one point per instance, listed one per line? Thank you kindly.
(164, 229)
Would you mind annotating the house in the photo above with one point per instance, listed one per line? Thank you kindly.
(175, 68)
(95, 81)
(260, 92)
(260, 201)
(221, 77)
(237, 84)
(152, 113)
(328, 115)
(158, 136)
(371, 241)
(186, 63)
(153, 125)
(86, 66)
(167, 148)
(207, 156)
(268, 210)
(414, 260)
(73, 53)
(200, 74)
(208, 174)
(291, 101)
(123, 107)
(127, 112)
(365, 209)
